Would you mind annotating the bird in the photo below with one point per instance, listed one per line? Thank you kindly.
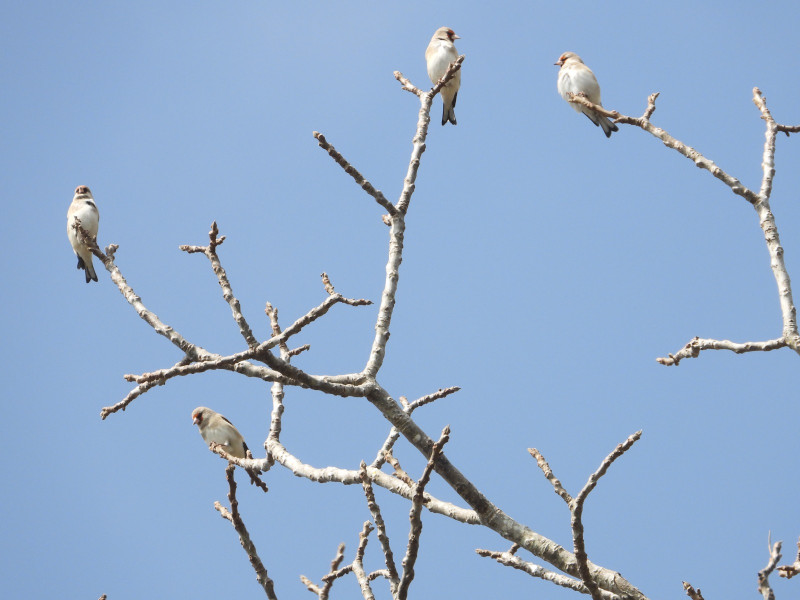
(83, 208)
(576, 78)
(217, 429)
(439, 54)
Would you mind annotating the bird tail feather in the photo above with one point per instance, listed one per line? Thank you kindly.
(608, 126)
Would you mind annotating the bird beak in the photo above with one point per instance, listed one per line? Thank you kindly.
(559, 63)
(456, 37)
(195, 420)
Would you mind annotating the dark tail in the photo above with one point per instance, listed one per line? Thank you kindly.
(89, 270)
(449, 115)
(608, 126)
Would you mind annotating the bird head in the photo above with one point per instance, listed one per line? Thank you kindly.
(447, 34)
(198, 415)
(567, 56)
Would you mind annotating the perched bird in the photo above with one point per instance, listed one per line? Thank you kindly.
(577, 78)
(440, 53)
(216, 428)
(83, 208)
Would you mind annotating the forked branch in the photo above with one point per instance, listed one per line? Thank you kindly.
(761, 203)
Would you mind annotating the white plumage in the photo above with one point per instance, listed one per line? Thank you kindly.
(216, 428)
(440, 53)
(576, 78)
(83, 208)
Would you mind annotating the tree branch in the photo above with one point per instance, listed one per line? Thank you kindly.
(376, 476)
(577, 512)
(790, 571)
(394, 435)
(693, 348)
(353, 172)
(694, 594)
(210, 252)
(192, 351)
(244, 537)
(358, 563)
(380, 527)
(763, 575)
(415, 517)
(548, 473)
(770, 229)
(759, 201)
(328, 580)
(534, 570)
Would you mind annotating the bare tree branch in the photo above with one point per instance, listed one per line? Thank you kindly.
(770, 229)
(394, 435)
(328, 579)
(376, 476)
(548, 473)
(358, 563)
(353, 172)
(697, 345)
(763, 575)
(246, 463)
(422, 132)
(508, 559)
(790, 571)
(399, 472)
(415, 517)
(193, 351)
(398, 225)
(698, 159)
(760, 201)
(380, 527)
(577, 512)
(694, 594)
(210, 252)
(244, 537)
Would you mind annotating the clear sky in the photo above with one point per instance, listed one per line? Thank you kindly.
(545, 269)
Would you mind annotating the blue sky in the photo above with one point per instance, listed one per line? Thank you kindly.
(545, 269)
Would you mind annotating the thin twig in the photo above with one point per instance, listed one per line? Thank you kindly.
(380, 527)
(331, 577)
(694, 594)
(548, 473)
(358, 563)
(378, 477)
(399, 472)
(250, 465)
(763, 575)
(193, 351)
(415, 517)
(244, 537)
(210, 252)
(409, 407)
(790, 571)
(693, 348)
(353, 172)
(427, 399)
(510, 560)
(698, 159)
(576, 508)
(398, 225)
